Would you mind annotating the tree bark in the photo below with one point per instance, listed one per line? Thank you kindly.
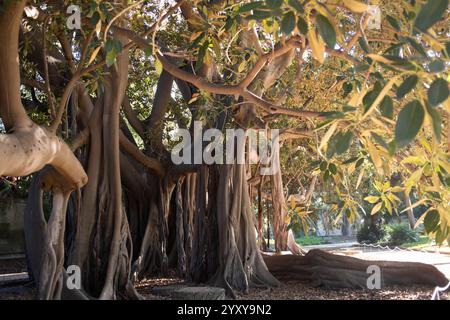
(337, 271)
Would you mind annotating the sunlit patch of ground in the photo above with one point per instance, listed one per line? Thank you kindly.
(289, 290)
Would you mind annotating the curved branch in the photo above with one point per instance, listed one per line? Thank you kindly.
(137, 154)
(132, 118)
(28, 151)
(11, 110)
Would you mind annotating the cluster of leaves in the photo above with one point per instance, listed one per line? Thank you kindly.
(404, 94)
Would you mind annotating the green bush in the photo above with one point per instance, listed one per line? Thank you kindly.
(397, 234)
(370, 233)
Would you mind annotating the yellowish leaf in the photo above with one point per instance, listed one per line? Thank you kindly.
(418, 203)
(317, 45)
(418, 161)
(158, 66)
(356, 6)
(94, 54)
(242, 66)
(376, 159)
(380, 96)
(422, 217)
(372, 199)
(388, 206)
(396, 189)
(98, 27)
(194, 98)
(293, 204)
(376, 208)
(328, 135)
(361, 175)
(378, 58)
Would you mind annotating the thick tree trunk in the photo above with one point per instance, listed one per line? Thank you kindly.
(240, 263)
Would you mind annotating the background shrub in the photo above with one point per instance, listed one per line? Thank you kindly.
(370, 233)
(397, 234)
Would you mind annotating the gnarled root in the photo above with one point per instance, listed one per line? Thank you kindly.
(337, 271)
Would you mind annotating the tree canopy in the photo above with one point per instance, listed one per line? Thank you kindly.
(359, 91)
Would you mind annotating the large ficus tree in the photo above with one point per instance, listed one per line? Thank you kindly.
(110, 93)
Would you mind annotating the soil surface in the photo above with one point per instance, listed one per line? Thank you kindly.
(289, 290)
(294, 290)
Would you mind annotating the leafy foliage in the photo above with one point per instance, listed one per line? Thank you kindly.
(398, 234)
(382, 94)
(370, 233)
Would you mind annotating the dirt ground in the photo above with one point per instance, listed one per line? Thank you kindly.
(294, 290)
(289, 290)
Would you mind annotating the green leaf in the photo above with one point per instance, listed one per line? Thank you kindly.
(430, 13)
(348, 87)
(380, 140)
(361, 67)
(323, 166)
(409, 123)
(393, 22)
(363, 44)
(331, 148)
(394, 49)
(326, 30)
(387, 107)
(416, 46)
(359, 163)
(343, 141)
(351, 160)
(296, 5)
(447, 49)
(201, 55)
(392, 147)
(332, 168)
(438, 92)
(431, 221)
(274, 4)
(260, 15)
(348, 108)
(288, 23)
(436, 122)
(112, 48)
(109, 45)
(302, 25)
(110, 58)
(112, 44)
(326, 175)
(436, 66)
(148, 51)
(407, 86)
(117, 46)
(370, 96)
(250, 6)
(441, 235)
